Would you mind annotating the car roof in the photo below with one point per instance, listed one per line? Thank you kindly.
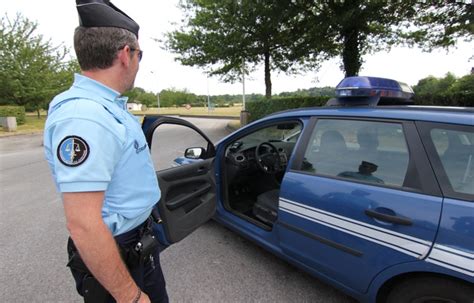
(455, 115)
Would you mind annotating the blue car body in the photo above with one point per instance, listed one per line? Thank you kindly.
(364, 237)
(444, 240)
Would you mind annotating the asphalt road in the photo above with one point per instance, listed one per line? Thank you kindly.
(211, 265)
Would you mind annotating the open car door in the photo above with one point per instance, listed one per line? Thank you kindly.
(188, 191)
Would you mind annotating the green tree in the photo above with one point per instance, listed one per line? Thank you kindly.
(463, 85)
(426, 86)
(445, 84)
(436, 86)
(353, 28)
(446, 91)
(311, 92)
(167, 98)
(175, 97)
(296, 35)
(147, 98)
(220, 35)
(449, 84)
(134, 93)
(32, 69)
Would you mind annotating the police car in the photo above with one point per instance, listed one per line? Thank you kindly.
(375, 200)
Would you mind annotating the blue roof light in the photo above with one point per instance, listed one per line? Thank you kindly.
(371, 91)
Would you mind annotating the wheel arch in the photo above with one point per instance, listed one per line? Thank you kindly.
(385, 288)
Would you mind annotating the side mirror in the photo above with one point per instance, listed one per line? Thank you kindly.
(194, 152)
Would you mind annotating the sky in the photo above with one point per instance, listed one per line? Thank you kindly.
(158, 70)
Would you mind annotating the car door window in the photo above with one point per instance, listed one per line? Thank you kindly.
(455, 150)
(367, 151)
(188, 191)
(170, 142)
(283, 132)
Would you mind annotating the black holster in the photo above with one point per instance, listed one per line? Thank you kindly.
(139, 253)
(87, 286)
(133, 255)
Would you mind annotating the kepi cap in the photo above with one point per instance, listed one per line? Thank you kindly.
(102, 13)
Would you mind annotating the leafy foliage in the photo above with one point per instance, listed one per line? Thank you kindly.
(447, 91)
(32, 69)
(139, 95)
(220, 35)
(455, 99)
(265, 107)
(174, 97)
(463, 85)
(310, 92)
(148, 99)
(355, 28)
(296, 35)
(134, 93)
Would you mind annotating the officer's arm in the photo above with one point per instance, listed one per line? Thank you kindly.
(96, 245)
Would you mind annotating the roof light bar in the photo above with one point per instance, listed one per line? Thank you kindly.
(371, 91)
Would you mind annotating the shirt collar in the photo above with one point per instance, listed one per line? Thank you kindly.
(91, 85)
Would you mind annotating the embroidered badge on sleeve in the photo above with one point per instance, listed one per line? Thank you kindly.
(73, 151)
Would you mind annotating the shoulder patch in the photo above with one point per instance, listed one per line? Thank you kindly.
(73, 151)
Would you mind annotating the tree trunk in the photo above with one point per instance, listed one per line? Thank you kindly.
(268, 81)
(351, 53)
(38, 112)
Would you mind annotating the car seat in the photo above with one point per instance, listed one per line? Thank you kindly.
(458, 163)
(331, 157)
(266, 207)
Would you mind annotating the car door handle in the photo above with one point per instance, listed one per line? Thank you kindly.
(202, 170)
(388, 218)
(184, 199)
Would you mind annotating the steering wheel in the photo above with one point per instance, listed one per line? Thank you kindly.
(268, 162)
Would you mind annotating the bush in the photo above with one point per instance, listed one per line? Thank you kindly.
(13, 111)
(265, 107)
(454, 99)
(198, 104)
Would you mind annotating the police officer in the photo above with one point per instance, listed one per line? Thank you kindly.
(100, 162)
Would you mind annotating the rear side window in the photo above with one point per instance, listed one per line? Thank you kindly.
(366, 151)
(455, 150)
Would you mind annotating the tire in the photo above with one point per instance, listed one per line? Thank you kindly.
(431, 290)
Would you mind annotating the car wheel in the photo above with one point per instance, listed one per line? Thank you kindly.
(431, 290)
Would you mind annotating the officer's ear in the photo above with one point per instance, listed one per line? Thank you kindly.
(125, 56)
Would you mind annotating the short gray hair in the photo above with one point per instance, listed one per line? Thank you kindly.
(97, 47)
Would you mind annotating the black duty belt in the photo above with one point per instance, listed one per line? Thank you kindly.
(135, 246)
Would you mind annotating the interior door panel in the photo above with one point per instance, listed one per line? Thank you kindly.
(188, 195)
(188, 192)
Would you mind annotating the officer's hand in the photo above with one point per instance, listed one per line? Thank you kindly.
(144, 298)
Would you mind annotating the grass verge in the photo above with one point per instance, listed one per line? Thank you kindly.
(32, 125)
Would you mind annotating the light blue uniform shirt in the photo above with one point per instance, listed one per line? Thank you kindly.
(92, 143)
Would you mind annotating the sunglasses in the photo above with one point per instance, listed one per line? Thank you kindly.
(140, 53)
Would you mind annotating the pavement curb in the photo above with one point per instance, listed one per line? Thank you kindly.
(13, 134)
(209, 117)
(230, 128)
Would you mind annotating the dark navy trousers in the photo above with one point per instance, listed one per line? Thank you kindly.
(148, 276)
